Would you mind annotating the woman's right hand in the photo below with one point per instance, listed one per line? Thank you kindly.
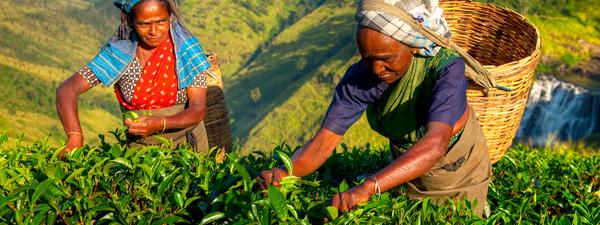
(145, 126)
(272, 176)
(73, 142)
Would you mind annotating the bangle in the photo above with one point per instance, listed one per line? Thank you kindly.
(377, 188)
(74, 132)
(164, 125)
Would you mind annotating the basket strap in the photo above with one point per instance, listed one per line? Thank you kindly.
(477, 73)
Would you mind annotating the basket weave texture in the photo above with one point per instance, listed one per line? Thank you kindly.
(216, 119)
(509, 48)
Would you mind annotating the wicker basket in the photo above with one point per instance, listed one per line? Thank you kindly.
(216, 119)
(509, 48)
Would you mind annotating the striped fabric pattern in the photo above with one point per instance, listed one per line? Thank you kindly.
(426, 12)
(192, 59)
(117, 54)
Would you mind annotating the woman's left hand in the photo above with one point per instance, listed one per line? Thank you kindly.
(144, 126)
(347, 200)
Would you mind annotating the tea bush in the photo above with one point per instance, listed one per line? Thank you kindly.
(112, 184)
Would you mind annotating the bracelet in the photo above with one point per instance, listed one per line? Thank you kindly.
(164, 125)
(75, 132)
(377, 188)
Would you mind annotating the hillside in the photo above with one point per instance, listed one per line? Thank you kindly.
(281, 60)
(49, 40)
(42, 44)
(283, 94)
(238, 30)
(566, 29)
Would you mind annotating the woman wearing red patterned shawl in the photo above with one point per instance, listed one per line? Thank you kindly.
(158, 70)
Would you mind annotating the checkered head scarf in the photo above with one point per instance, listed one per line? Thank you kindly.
(425, 12)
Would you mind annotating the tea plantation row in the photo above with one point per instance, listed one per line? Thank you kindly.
(111, 184)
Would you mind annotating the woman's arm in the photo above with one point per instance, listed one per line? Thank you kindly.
(315, 153)
(67, 108)
(306, 160)
(351, 98)
(418, 159)
(413, 163)
(193, 114)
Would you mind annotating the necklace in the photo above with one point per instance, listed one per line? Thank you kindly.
(141, 56)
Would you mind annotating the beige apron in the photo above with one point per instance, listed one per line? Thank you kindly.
(194, 135)
(464, 172)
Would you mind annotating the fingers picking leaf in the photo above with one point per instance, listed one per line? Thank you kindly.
(287, 161)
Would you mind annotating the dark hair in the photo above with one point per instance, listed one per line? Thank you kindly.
(127, 18)
(170, 4)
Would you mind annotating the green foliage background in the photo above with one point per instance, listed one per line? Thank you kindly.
(109, 183)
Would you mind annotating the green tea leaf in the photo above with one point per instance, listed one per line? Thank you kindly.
(343, 186)
(289, 180)
(163, 140)
(7, 199)
(190, 200)
(123, 162)
(40, 216)
(166, 182)
(115, 151)
(74, 174)
(51, 218)
(287, 161)
(170, 220)
(242, 170)
(42, 207)
(212, 217)
(59, 173)
(278, 202)
(146, 169)
(262, 202)
(130, 115)
(55, 191)
(41, 189)
(288, 183)
(425, 206)
(91, 152)
(380, 219)
(242, 222)
(292, 211)
(100, 209)
(178, 198)
(332, 212)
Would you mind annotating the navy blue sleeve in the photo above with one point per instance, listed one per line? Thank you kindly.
(353, 94)
(449, 97)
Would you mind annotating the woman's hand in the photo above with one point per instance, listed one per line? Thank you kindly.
(73, 142)
(145, 125)
(347, 200)
(272, 176)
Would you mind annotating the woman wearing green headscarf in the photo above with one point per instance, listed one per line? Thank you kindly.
(158, 70)
(414, 93)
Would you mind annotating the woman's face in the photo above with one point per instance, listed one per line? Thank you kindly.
(387, 58)
(152, 23)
